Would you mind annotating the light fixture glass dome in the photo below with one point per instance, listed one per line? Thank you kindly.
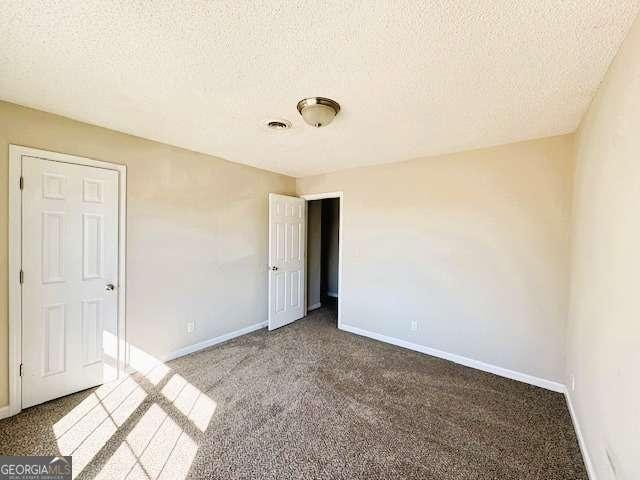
(318, 111)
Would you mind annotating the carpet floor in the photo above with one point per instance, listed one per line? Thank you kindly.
(307, 401)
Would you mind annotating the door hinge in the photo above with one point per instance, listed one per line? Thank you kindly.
(21, 276)
(20, 369)
(21, 183)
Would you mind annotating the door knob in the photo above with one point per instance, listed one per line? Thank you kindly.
(274, 268)
(109, 287)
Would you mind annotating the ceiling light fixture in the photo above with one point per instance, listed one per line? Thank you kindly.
(318, 111)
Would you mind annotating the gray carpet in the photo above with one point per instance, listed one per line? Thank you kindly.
(306, 401)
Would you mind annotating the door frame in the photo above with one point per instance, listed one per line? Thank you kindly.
(322, 196)
(16, 152)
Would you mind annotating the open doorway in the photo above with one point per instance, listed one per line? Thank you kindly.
(295, 256)
(323, 254)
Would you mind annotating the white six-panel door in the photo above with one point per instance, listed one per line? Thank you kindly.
(70, 264)
(287, 244)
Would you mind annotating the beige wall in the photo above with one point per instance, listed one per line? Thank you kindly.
(196, 232)
(473, 246)
(604, 321)
(330, 245)
(314, 251)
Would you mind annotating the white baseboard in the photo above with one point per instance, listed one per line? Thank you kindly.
(212, 341)
(583, 446)
(469, 362)
(315, 306)
(332, 294)
(5, 412)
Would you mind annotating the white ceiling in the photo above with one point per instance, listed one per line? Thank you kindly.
(414, 78)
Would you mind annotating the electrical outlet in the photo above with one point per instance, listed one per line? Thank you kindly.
(191, 327)
(573, 383)
(414, 325)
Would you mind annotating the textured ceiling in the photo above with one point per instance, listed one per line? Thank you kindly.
(413, 78)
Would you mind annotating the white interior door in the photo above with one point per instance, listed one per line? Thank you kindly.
(287, 243)
(70, 265)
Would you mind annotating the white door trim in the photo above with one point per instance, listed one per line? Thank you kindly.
(321, 196)
(16, 153)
